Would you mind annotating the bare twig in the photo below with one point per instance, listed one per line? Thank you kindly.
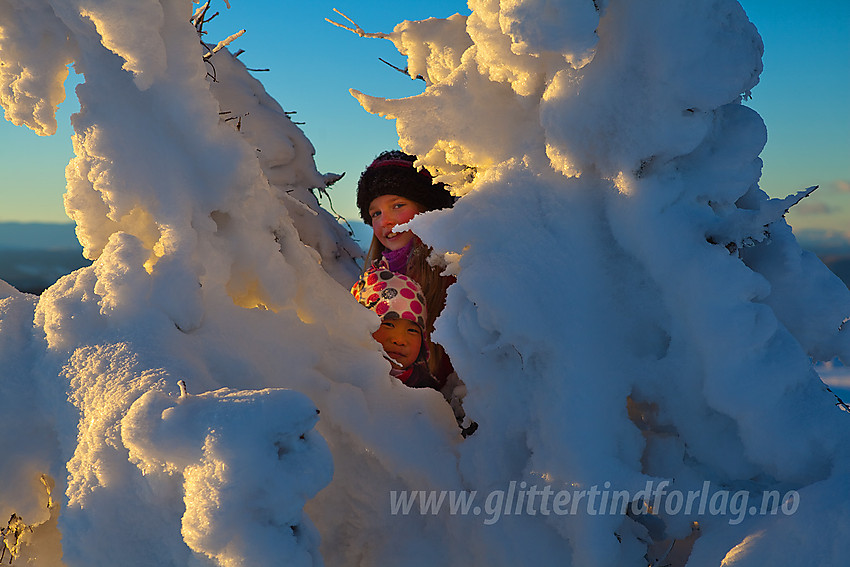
(199, 18)
(400, 70)
(213, 74)
(339, 217)
(238, 120)
(838, 401)
(211, 18)
(356, 29)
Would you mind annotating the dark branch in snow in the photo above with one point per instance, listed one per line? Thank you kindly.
(211, 18)
(199, 18)
(213, 74)
(330, 179)
(288, 115)
(839, 402)
(237, 118)
(405, 71)
(376, 35)
(11, 535)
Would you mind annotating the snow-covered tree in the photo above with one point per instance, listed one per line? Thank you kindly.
(632, 316)
(649, 315)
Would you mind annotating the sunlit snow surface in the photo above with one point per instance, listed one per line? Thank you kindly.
(611, 244)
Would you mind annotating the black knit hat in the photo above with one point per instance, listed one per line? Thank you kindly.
(392, 173)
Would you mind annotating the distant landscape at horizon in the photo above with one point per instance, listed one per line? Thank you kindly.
(34, 255)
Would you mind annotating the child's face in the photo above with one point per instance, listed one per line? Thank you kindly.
(401, 339)
(386, 212)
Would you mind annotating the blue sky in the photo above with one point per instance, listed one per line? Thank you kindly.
(802, 97)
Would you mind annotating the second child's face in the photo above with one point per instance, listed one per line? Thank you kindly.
(386, 212)
(401, 339)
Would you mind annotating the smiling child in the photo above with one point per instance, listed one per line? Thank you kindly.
(399, 302)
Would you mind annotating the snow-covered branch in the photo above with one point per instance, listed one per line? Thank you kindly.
(356, 29)
(224, 43)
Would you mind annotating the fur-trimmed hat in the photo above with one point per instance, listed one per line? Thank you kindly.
(392, 173)
(391, 295)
